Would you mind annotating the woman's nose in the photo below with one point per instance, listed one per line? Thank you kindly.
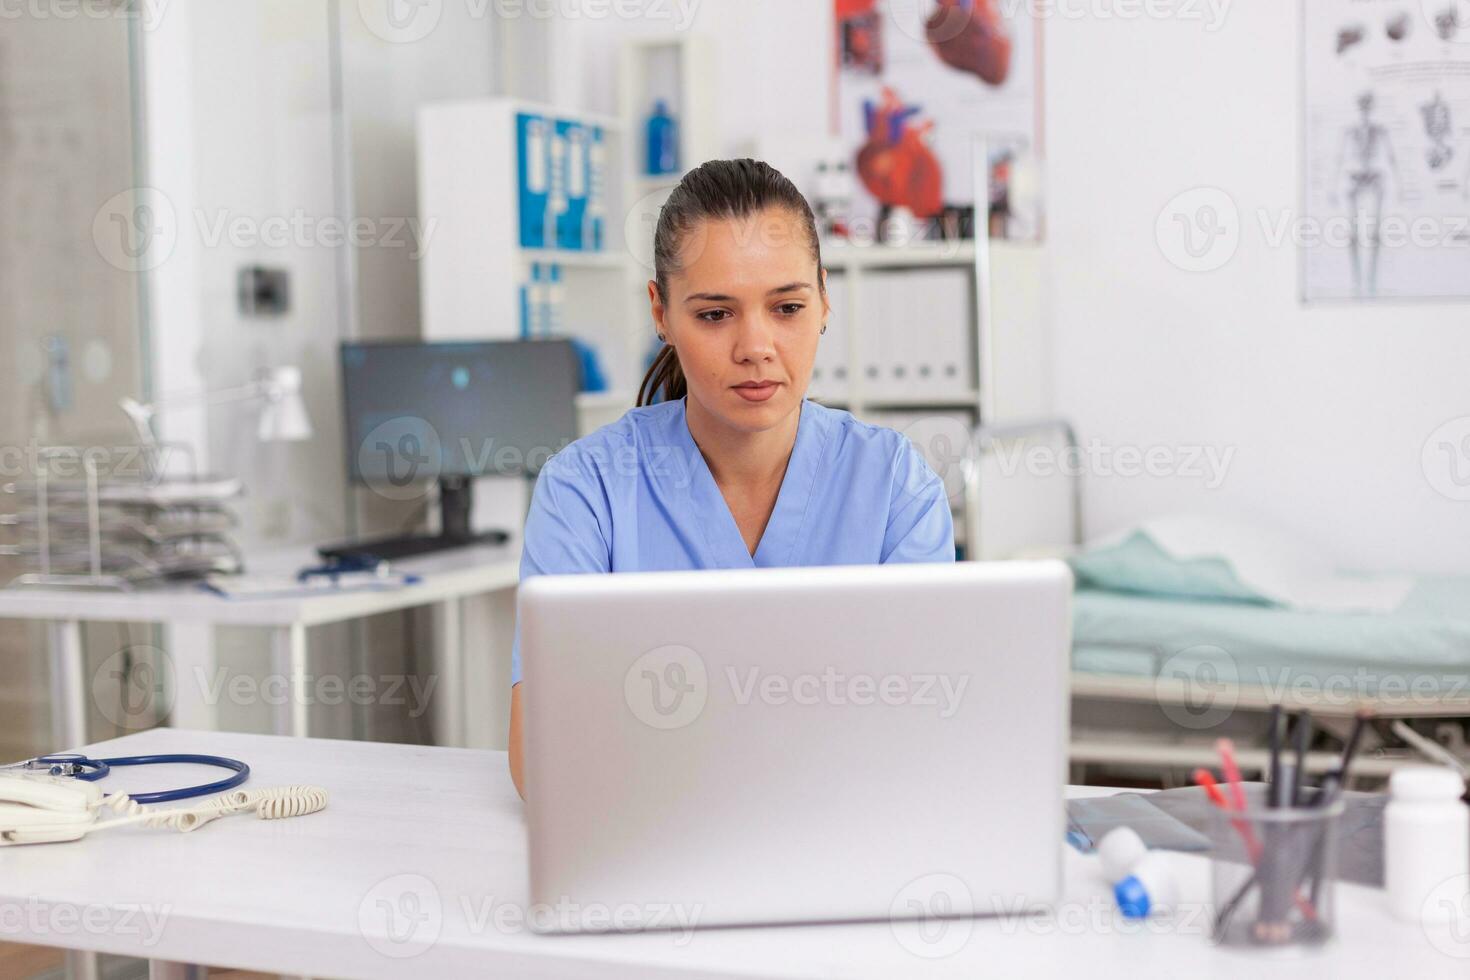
(755, 340)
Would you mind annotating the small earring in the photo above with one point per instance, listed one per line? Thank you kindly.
(824, 328)
(662, 339)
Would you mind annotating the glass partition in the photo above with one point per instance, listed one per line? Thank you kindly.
(73, 321)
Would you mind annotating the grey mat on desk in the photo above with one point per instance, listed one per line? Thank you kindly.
(1359, 833)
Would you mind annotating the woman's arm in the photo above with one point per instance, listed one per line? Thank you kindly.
(517, 761)
(566, 533)
(920, 527)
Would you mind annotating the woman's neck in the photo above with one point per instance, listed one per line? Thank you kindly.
(739, 458)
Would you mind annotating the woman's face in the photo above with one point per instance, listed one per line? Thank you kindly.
(744, 314)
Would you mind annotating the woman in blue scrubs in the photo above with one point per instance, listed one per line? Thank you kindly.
(724, 463)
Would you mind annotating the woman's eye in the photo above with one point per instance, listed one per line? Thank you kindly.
(712, 316)
(791, 309)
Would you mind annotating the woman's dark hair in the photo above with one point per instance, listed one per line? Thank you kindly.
(718, 189)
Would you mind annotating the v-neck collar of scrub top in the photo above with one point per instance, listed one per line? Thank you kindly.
(783, 535)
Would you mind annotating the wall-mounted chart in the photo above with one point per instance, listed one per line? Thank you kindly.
(917, 82)
(1386, 157)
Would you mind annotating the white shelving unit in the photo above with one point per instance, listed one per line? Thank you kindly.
(474, 269)
(675, 70)
(850, 268)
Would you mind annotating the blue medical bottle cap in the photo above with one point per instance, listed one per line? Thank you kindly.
(1132, 898)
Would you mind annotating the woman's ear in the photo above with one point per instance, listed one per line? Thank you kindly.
(656, 309)
(826, 297)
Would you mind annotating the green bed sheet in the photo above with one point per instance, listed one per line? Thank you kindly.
(1423, 646)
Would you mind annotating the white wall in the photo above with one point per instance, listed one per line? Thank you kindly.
(262, 146)
(383, 84)
(1327, 408)
(773, 67)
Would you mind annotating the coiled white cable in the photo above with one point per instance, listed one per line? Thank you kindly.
(280, 802)
(39, 809)
(275, 803)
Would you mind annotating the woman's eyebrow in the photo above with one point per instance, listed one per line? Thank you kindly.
(790, 287)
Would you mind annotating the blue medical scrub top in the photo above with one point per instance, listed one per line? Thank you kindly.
(637, 496)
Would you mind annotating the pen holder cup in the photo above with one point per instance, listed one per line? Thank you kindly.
(1274, 872)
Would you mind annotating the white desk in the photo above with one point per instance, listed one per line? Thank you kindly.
(447, 577)
(422, 851)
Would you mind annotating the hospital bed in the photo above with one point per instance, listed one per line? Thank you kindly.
(1157, 678)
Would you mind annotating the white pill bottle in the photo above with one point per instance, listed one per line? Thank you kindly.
(1426, 843)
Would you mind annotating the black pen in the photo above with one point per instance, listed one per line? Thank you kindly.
(1332, 787)
(1351, 749)
(1273, 739)
(1339, 775)
(1303, 736)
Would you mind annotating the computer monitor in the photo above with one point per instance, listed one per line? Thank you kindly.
(449, 412)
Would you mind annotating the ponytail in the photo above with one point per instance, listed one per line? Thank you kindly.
(664, 380)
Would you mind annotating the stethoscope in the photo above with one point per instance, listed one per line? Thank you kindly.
(90, 770)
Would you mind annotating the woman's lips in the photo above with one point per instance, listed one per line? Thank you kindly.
(759, 392)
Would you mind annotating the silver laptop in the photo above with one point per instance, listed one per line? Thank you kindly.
(795, 744)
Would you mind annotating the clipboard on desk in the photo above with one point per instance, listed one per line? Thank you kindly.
(244, 587)
(1089, 820)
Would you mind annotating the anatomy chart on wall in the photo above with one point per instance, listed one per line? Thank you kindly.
(918, 81)
(1386, 121)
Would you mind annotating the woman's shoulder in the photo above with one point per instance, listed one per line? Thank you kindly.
(852, 434)
(870, 448)
(632, 433)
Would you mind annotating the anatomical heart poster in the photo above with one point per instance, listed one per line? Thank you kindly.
(918, 82)
(1386, 158)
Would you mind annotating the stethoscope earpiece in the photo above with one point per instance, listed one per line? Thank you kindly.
(88, 770)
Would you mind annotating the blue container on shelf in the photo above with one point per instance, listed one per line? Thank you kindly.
(663, 141)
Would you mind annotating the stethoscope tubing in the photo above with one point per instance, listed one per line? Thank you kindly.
(90, 770)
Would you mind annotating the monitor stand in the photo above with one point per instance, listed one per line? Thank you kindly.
(456, 494)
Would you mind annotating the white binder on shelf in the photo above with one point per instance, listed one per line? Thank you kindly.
(953, 291)
(929, 329)
(918, 336)
(941, 325)
(881, 309)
